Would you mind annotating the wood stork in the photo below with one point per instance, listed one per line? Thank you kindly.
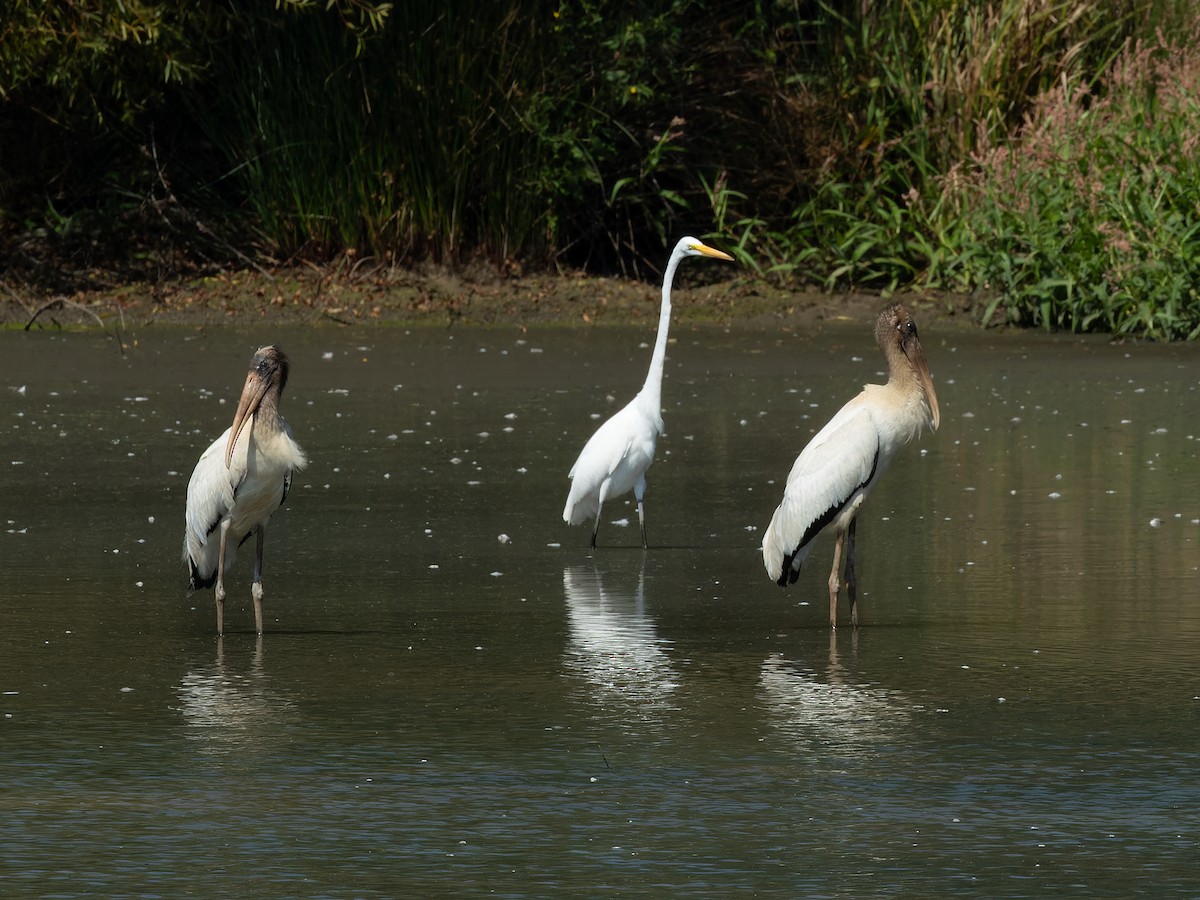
(617, 456)
(841, 464)
(240, 480)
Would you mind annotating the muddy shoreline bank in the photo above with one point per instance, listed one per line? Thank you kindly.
(302, 296)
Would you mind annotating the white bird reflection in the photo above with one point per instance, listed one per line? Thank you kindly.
(615, 648)
(228, 711)
(830, 710)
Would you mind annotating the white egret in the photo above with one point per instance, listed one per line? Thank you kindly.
(240, 480)
(616, 457)
(834, 473)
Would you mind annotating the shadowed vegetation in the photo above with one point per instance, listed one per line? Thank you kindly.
(1035, 155)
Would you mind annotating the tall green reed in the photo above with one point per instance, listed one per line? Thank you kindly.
(1092, 210)
(918, 85)
(407, 143)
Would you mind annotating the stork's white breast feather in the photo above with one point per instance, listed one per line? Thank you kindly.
(249, 490)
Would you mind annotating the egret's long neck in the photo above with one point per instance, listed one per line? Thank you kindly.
(652, 389)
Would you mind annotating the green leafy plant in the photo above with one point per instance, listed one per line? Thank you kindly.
(1093, 207)
(1036, 154)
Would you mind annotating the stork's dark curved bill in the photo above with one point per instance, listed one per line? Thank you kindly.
(911, 345)
(259, 379)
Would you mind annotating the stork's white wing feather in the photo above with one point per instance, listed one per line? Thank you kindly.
(210, 492)
(839, 461)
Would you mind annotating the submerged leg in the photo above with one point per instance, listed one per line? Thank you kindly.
(256, 588)
(851, 583)
(639, 491)
(220, 591)
(834, 584)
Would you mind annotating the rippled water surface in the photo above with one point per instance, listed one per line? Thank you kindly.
(455, 697)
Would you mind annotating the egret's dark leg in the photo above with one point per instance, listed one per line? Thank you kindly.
(851, 582)
(596, 527)
(220, 591)
(834, 584)
(639, 491)
(600, 498)
(256, 588)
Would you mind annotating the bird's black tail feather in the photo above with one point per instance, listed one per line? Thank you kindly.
(789, 575)
(197, 581)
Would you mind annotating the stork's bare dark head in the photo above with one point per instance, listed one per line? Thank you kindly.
(264, 386)
(896, 325)
(896, 330)
(271, 364)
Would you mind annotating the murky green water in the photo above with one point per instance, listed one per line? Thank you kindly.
(435, 711)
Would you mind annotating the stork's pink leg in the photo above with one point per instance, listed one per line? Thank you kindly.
(220, 591)
(834, 584)
(256, 589)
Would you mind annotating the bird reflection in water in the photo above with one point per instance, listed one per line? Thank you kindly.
(615, 648)
(829, 709)
(230, 707)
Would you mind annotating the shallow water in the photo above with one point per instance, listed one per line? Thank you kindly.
(435, 710)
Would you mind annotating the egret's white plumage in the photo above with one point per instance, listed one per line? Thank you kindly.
(616, 457)
(833, 475)
(240, 480)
